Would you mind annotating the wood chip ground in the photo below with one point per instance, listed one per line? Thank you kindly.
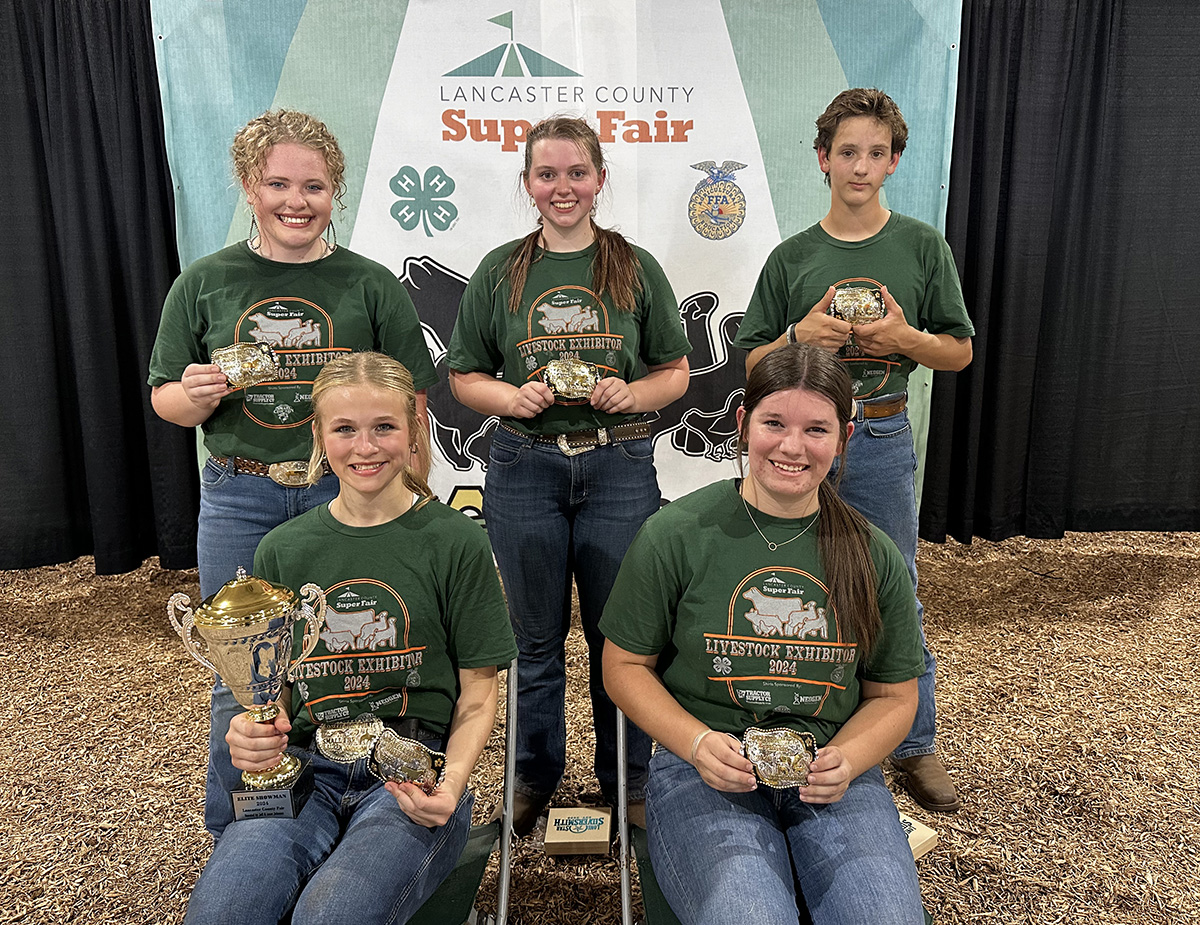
(1067, 715)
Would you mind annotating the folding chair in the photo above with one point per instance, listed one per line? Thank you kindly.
(658, 911)
(453, 903)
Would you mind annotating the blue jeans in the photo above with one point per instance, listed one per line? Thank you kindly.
(878, 483)
(236, 511)
(551, 516)
(350, 856)
(731, 858)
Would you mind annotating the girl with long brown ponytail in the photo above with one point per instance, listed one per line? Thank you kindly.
(584, 331)
(766, 636)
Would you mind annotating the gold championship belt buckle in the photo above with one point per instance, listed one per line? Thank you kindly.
(571, 378)
(245, 365)
(348, 740)
(857, 305)
(398, 759)
(780, 756)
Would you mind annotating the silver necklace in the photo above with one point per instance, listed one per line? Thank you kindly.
(773, 546)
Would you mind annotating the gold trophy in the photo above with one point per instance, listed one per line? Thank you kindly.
(247, 627)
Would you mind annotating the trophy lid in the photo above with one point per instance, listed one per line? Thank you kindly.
(244, 601)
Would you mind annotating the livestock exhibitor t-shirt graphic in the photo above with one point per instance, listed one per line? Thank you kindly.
(365, 660)
(301, 334)
(782, 650)
(569, 321)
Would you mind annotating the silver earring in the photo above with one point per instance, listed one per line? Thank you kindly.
(328, 228)
(253, 232)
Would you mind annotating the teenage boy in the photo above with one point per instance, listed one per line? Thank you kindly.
(862, 245)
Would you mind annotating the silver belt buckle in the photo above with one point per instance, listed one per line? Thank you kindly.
(348, 740)
(569, 450)
(395, 758)
(780, 756)
(290, 474)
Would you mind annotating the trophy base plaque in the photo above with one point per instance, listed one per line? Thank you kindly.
(276, 802)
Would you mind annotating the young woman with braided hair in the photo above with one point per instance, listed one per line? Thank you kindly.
(587, 331)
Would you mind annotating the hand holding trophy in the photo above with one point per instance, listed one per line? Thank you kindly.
(248, 628)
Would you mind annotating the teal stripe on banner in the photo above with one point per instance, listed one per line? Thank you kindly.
(904, 48)
(783, 56)
(222, 63)
(910, 51)
(218, 66)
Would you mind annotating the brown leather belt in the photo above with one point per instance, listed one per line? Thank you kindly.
(886, 407)
(291, 474)
(580, 441)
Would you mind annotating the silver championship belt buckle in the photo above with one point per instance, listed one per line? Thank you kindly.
(290, 474)
(571, 378)
(350, 739)
(780, 756)
(245, 365)
(857, 305)
(398, 759)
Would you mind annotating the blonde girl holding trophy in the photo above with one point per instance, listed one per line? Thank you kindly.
(416, 628)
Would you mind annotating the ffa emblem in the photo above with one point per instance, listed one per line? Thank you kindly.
(717, 206)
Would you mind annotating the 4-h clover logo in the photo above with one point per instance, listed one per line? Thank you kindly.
(423, 202)
(722, 665)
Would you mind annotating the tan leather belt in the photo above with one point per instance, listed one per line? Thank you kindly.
(580, 441)
(886, 407)
(290, 474)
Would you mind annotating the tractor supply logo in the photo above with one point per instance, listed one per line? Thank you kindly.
(424, 201)
(511, 59)
(718, 205)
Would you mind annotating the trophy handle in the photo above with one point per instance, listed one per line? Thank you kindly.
(312, 611)
(183, 603)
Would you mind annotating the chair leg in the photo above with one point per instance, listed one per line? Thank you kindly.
(510, 775)
(623, 822)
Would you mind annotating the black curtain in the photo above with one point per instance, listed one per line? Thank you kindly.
(85, 465)
(1073, 214)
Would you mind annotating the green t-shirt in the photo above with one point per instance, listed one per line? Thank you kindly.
(308, 312)
(909, 257)
(408, 604)
(560, 316)
(745, 636)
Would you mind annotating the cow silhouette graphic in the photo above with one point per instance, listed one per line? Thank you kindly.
(785, 616)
